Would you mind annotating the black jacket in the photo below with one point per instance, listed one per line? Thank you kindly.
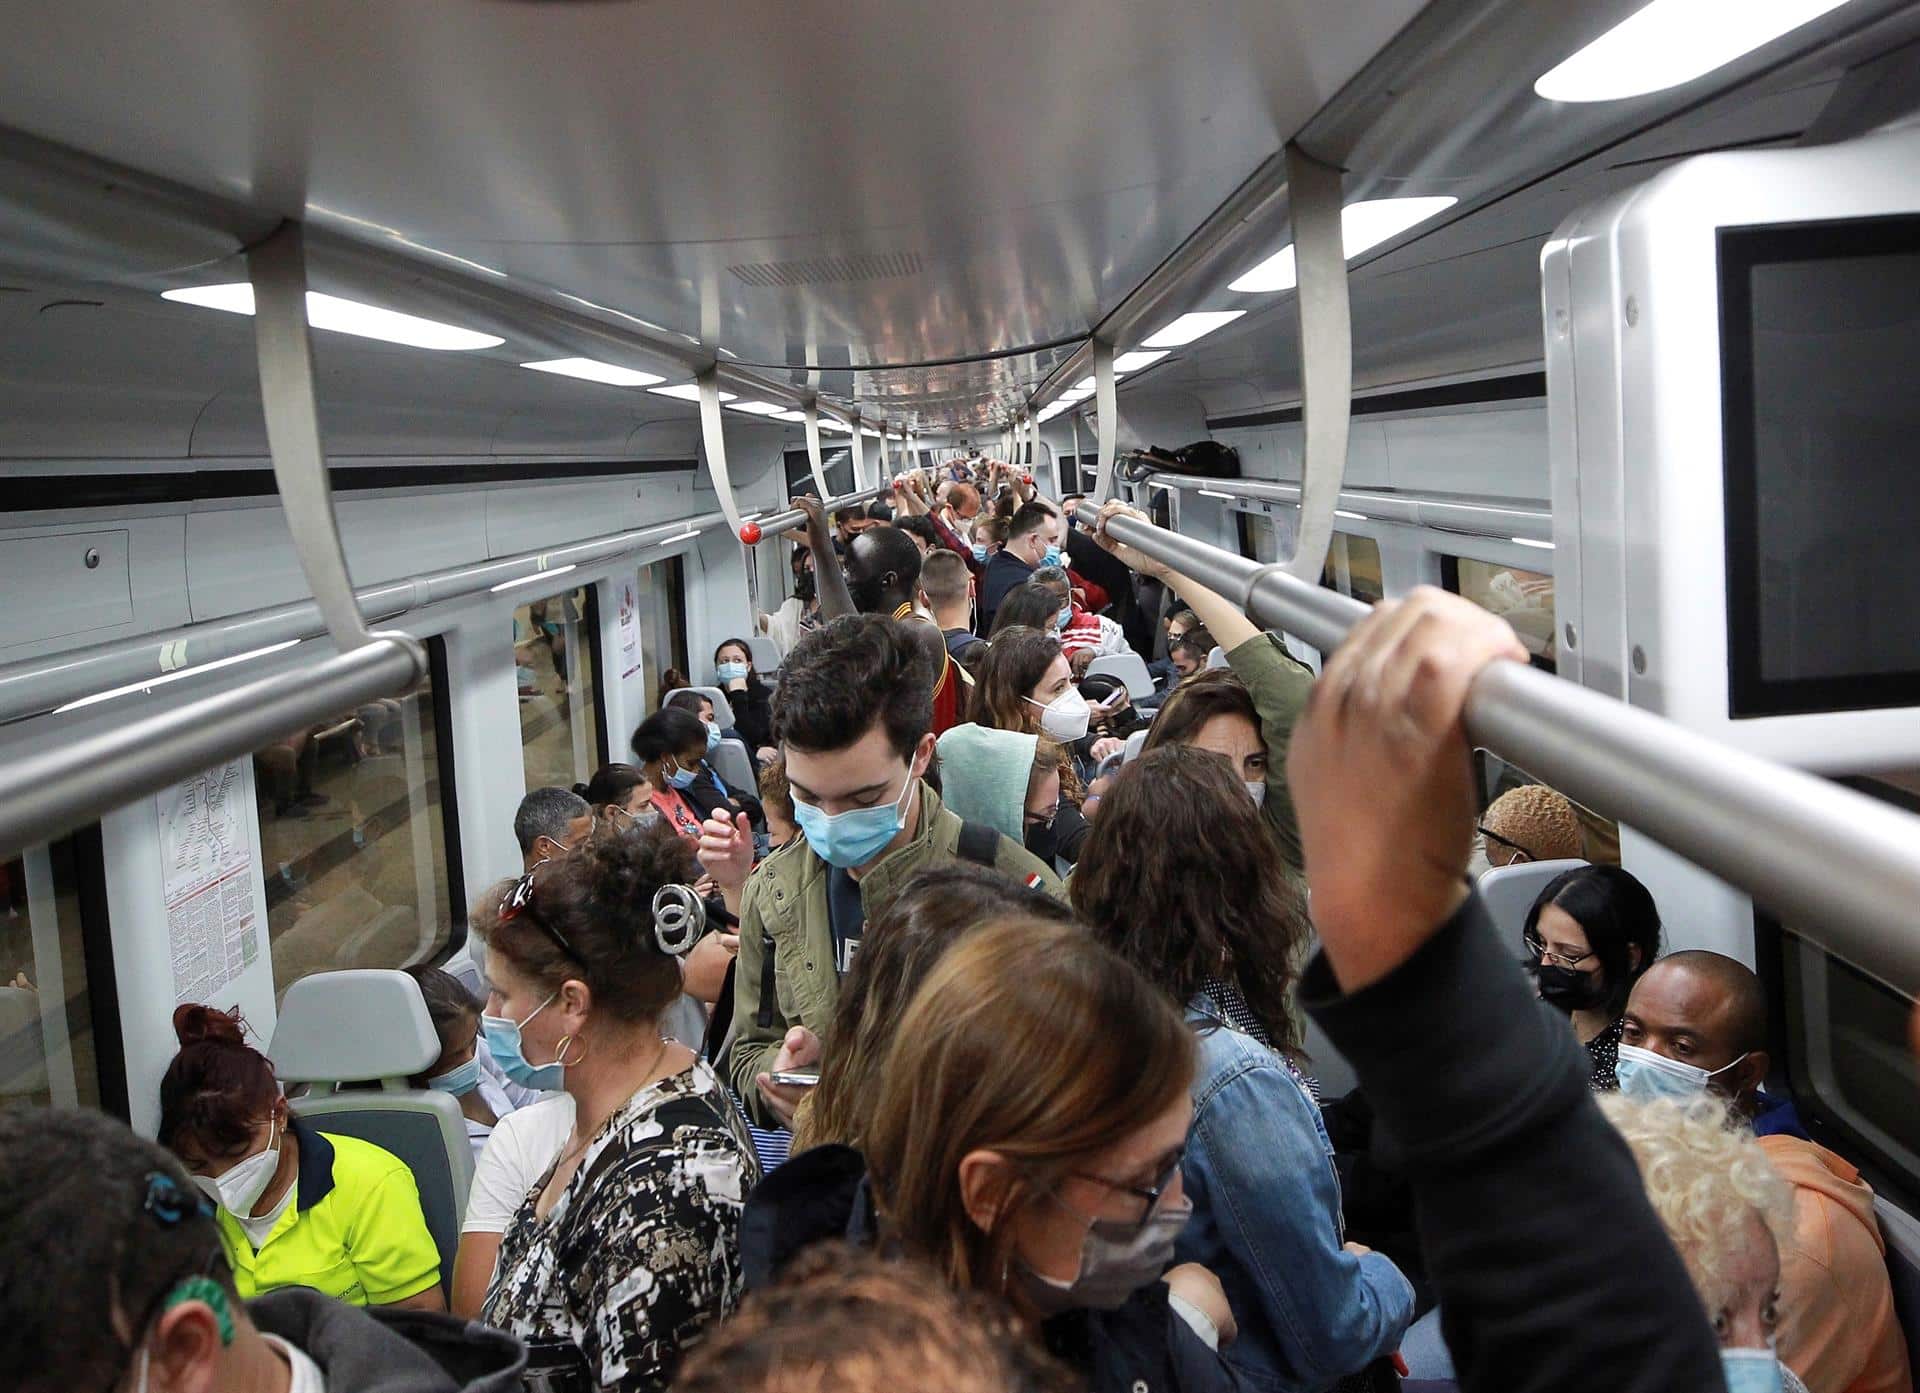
(379, 1350)
(821, 1196)
(1552, 1271)
(1004, 571)
(752, 715)
(704, 797)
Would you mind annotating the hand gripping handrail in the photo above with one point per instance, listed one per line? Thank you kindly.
(792, 518)
(1841, 869)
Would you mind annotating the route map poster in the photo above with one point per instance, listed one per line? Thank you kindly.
(207, 868)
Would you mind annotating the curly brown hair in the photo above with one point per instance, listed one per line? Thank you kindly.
(1183, 877)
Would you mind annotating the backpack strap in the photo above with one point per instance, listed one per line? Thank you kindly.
(979, 843)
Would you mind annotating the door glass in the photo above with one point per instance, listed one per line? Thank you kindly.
(1523, 598)
(555, 655)
(1353, 568)
(47, 1052)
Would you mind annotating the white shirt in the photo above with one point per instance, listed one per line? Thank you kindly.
(307, 1377)
(522, 1148)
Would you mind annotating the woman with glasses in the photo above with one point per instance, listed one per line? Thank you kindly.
(1181, 876)
(1589, 935)
(627, 1248)
(1024, 1138)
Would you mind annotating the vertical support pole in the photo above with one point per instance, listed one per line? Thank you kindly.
(859, 456)
(278, 270)
(1079, 483)
(1326, 353)
(1106, 402)
(812, 412)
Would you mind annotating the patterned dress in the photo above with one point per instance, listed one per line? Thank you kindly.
(641, 1252)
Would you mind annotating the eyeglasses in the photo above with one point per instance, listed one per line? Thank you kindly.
(1150, 1195)
(1537, 948)
(519, 901)
(1506, 842)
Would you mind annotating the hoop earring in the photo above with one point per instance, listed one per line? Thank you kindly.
(560, 1053)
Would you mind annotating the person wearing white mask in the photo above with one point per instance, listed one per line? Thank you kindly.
(297, 1207)
(1026, 684)
(1695, 1026)
(1729, 1216)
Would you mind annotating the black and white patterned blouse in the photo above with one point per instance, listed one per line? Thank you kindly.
(1603, 1052)
(641, 1252)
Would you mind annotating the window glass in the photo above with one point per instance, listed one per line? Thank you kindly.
(354, 841)
(663, 625)
(1353, 568)
(1258, 540)
(556, 662)
(47, 1050)
(1599, 836)
(1523, 598)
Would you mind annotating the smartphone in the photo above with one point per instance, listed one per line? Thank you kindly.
(1115, 701)
(794, 1078)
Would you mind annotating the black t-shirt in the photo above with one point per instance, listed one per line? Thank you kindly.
(846, 916)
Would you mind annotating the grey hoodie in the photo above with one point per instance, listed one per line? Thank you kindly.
(381, 1350)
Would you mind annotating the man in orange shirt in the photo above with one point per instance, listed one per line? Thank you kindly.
(1698, 1021)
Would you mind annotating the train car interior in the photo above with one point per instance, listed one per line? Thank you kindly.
(398, 402)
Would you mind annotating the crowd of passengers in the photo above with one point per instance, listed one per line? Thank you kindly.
(963, 1053)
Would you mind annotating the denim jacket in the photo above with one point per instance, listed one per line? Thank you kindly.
(1266, 1221)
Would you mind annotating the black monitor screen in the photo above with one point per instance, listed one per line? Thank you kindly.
(1820, 358)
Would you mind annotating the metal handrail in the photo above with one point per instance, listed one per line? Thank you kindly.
(1418, 510)
(791, 518)
(34, 686)
(1838, 867)
(47, 792)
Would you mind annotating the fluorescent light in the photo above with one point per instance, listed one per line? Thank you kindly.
(591, 371)
(1136, 360)
(342, 316)
(757, 408)
(686, 391)
(1363, 226)
(1190, 326)
(167, 677)
(799, 416)
(1343, 513)
(1670, 42)
(533, 579)
(1530, 542)
(1215, 493)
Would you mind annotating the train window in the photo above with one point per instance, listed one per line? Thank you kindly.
(1258, 540)
(355, 832)
(1848, 1055)
(556, 655)
(1353, 568)
(663, 623)
(57, 1004)
(1599, 836)
(1523, 598)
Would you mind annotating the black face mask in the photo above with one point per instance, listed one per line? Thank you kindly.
(1041, 841)
(803, 586)
(1568, 989)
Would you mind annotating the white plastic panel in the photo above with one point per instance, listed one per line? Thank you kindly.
(63, 583)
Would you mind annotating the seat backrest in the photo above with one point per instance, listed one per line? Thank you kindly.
(371, 1025)
(1902, 1233)
(1217, 656)
(722, 708)
(1509, 892)
(731, 762)
(1134, 743)
(766, 655)
(1130, 668)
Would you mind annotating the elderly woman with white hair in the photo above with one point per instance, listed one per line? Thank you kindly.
(1727, 1213)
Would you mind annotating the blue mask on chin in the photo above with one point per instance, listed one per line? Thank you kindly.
(854, 837)
(502, 1035)
(459, 1080)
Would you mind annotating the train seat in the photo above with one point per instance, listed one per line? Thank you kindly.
(1217, 657)
(732, 763)
(766, 655)
(367, 1025)
(1509, 892)
(1902, 1234)
(722, 708)
(1130, 668)
(1134, 743)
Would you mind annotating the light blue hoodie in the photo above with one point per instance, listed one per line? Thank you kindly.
(984, 775)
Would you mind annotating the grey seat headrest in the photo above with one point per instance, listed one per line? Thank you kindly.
(353, 1025)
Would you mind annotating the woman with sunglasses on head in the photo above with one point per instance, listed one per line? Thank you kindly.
(1589, 936)
(628, 1247)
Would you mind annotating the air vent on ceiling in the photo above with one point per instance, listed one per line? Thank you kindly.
(831, 270)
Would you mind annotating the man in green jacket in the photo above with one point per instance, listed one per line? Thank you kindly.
(853, 716)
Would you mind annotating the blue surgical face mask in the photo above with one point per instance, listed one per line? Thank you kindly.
(1751, 1370)
(1646, 1075)
(683, 778)
(713, 736)
(856, 836)
(730, 672)
(1063, 618)
(1052, 557)
(459, 1080)
(980, 552)
(502, 1035)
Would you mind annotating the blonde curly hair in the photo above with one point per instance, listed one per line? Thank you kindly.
(1539, 819)
(1705, 1173)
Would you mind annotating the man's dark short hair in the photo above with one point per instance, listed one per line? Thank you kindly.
(545, 813)
(1196, 643)
(882, 549)
(921, 527)
(944, 576)
(1028, 517)
(846, 676)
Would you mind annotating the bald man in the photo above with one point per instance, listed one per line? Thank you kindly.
(1698, 1021)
